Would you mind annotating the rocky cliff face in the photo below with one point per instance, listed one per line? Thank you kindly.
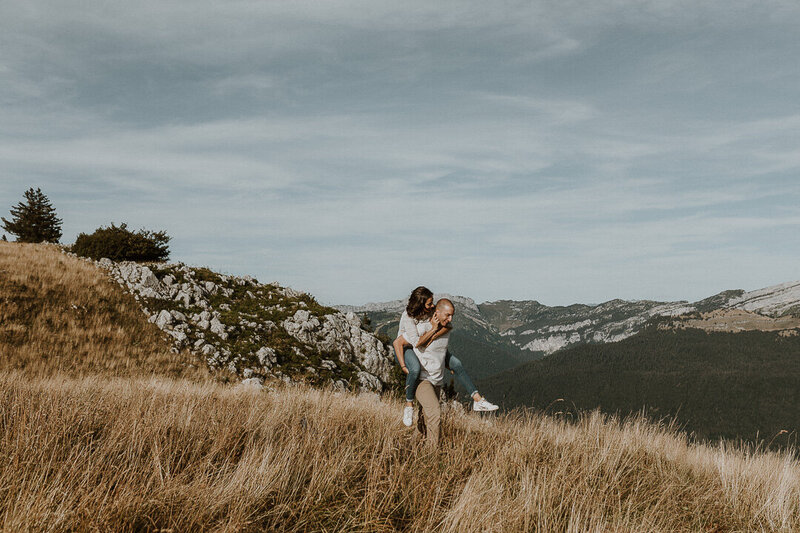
(545, 330)
(255, 330)
(776, 301)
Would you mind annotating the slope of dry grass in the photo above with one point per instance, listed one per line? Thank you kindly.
(61, 314)
(735, 320)
(147, 454)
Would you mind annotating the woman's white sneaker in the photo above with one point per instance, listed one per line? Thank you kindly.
(408, 415)
(483, 405)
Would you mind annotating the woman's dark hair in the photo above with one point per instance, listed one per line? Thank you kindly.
(416, 302)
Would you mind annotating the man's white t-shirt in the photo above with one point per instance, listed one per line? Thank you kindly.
(432, 359)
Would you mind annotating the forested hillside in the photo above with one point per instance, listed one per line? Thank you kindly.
(734, 385)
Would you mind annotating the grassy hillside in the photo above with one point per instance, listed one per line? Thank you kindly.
(61, 314)
(734, 385)
(100, 430)
(100, 454)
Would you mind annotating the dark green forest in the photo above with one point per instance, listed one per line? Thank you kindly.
(715, 385)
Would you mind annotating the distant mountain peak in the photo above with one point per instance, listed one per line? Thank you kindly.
(776, 300)
(531, 326)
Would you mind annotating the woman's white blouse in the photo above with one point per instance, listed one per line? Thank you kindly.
(408, 329)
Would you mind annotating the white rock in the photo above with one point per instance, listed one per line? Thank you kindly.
(551, 344)
(164, 319)
(266, 356)
(368, 382)
(183, 297)
(148, 280)
(219, 328)
(207, 350)
(147, 292)
(179, 336)
(772, 301)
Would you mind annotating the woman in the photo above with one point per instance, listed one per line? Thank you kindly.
(420, 308)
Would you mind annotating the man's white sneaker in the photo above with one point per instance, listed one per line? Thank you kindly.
(483, 405)
(408, 415)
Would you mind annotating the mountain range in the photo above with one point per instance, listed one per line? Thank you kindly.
(496, 336)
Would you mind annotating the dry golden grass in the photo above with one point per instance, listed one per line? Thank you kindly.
(135, 454)
(61, 314)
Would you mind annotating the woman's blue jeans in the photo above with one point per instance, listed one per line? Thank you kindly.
(452, 362)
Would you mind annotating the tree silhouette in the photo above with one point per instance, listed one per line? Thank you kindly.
(35, 220)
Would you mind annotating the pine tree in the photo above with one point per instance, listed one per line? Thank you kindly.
(35, 220)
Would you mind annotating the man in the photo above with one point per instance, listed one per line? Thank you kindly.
(431, 355)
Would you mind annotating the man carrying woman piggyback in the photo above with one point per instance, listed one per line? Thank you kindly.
(421, 351)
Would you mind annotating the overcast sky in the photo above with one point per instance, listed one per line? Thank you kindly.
(563, 151)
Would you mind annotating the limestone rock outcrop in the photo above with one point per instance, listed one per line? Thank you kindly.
(253, 330)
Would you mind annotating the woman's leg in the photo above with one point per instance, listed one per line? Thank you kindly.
(412, 379)
(453, 363)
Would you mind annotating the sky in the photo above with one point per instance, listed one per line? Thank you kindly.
(561, 151)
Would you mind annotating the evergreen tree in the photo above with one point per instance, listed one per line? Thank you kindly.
(34, 220)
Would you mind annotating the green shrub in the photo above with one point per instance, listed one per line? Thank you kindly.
(118, 243)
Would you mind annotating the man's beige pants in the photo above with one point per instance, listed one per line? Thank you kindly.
(428, 397)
